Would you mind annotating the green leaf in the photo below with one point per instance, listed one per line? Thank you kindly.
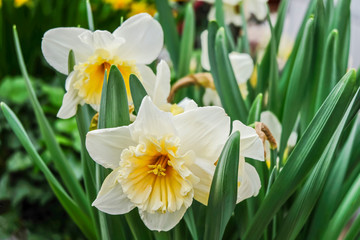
(171, 35)
(71, 61)
(296, 88)
(309, 194)
(223, 193)
(268, 72)
(325, 208)
(341, 21)
(187, 42)
(280, 20)
(345, 211)
(138, 91)
(305, 154)
(75, 212)
(117, 108)
(354, 230)
(190, 223)
(137, 227)
(328, 69)
(219, 15)
(255, 110)
(61, 162)
(89, 16)
(223, 75)
(13, 89)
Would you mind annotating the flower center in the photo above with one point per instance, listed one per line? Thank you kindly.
(90, 75)
(155, 177)
(159, 168)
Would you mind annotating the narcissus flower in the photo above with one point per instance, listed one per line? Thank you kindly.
(161, 162)
(136, 42)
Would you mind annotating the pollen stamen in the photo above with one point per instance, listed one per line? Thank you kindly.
(159, 168)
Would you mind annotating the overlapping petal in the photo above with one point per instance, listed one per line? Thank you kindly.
(105, 145)
(57, 43)
(111, 198)
(143, 39)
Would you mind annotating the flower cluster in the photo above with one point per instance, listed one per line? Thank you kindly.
(167, 157)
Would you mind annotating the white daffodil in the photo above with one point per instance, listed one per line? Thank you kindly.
(242, 65)
(158, 88)
(274, 125)
(138, 41)
(232, 14)
(161, 162)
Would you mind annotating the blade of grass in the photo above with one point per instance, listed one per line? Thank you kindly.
(89, 16)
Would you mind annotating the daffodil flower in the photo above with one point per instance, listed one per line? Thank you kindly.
(232, 14)
(161, 162)
(242, 65)
(130, 47)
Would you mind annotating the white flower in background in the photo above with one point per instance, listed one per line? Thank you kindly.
(232, 14)
(158, 88)
(162, 162)
(242, 65)
(274, 125)
(138, 41)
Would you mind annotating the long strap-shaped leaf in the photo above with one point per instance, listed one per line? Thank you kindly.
(223, 191)
(333, 186)
(306, 153)
(171, 35)
(223, 74)
(296, 89)
(77, 214)
(307, 198)
(61, 163)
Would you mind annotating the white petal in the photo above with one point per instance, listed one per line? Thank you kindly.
(211, 97)
(101, 40)
(249, 183)
(70, 101)
(152, 121)
(203, 130)
(250, 144)
(148, 78)
(162, 221)
(57, 43)
(232, 2)
(232, 15)
(187, 104)
(204, 50)
(204, 170)
(162, 84)
(111, 198)
(143, 39)
(292, 139)
(105, 145)
(272, 123)
(242, 65)
(256, 7)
